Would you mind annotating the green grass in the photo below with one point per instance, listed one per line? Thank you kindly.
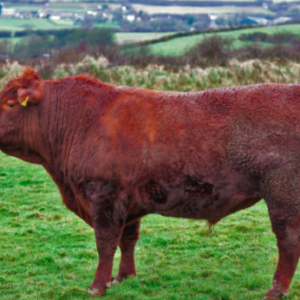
(178, 46)
(49, 253)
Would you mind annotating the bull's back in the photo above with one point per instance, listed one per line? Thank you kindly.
(143, 131)
(215, 121)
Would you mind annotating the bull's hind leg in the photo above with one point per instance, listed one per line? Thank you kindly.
(127, 244)
(281, 190)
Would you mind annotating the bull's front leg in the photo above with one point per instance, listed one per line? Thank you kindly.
(127, 244)
(108, 211)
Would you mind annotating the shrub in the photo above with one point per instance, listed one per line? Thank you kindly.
(214, 51)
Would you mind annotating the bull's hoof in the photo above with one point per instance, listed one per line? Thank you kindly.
(274, 294)
(115, 281)
(96, 292)
(119, 278)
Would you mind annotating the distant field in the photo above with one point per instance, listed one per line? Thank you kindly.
(34, 24)
(178, 46)
(181, 10)
(19, 24)
(133, 37)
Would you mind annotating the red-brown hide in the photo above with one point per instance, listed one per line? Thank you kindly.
(120, 153)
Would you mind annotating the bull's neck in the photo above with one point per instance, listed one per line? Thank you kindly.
(55, 120)
(67, 112)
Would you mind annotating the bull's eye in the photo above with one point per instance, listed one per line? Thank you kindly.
(10, 103)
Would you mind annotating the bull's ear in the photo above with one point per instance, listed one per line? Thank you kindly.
(30, 87)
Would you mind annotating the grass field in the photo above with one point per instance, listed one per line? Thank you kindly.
(48, 253)
(178, 46)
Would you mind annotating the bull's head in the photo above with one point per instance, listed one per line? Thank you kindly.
(19, 115)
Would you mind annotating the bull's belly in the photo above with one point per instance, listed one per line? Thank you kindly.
(202, 201)
(213, 212)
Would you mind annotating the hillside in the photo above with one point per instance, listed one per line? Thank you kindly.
(177, 46)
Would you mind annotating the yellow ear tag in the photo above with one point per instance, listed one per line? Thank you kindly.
(24, 103)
